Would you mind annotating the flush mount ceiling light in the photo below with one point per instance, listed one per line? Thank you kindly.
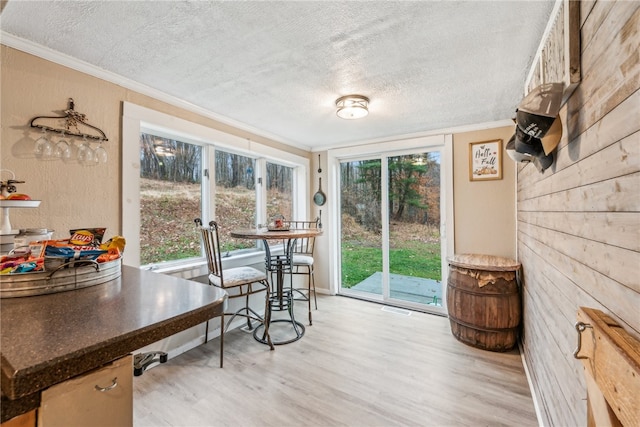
(352, 107)
(163, 148)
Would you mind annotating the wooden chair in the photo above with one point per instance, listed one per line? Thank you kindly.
(239, 282)
(302, 262)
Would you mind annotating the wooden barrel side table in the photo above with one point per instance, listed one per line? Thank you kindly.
(483, 300)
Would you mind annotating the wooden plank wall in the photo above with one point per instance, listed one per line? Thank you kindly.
(579, 221)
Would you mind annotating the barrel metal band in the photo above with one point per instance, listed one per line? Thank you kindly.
(483, 293)
(476, 327)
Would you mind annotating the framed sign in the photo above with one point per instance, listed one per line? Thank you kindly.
(485, 160)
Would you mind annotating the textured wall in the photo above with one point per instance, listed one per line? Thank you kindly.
(72, 195)
(579, 222)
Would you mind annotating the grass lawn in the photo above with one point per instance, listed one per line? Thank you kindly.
(168, 233)
(418, 260)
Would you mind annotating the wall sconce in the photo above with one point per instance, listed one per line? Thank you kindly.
(352, 107)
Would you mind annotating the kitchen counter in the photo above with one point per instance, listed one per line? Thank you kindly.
(48, 339)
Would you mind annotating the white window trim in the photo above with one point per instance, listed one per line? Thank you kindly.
(136, 119)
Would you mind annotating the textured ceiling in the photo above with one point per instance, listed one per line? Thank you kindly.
(278, 67)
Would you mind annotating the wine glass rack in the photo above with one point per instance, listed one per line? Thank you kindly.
(72, 119)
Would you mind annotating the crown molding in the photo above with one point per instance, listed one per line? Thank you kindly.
(443, 131)
(65, 60)
(48, 54)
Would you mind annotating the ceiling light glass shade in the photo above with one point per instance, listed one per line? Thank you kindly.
(352, 107)
(164, 151)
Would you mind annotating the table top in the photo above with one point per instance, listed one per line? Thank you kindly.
(47, 339)
(484, 262)
(266, 234)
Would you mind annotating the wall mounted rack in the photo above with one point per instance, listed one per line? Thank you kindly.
(72, 119)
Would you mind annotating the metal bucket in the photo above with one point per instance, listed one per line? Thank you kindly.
(65, 277)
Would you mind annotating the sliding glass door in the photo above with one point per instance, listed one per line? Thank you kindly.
(361, 227)
(390, 243)
(414, 228)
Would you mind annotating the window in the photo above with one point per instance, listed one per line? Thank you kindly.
(235, 197)
(279, 191)
(175, 171)
(170, 191)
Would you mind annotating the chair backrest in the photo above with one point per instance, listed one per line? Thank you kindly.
(304, 245)
(211, 241)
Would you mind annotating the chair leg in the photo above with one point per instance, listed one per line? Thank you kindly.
(206, 332)
(313, 285)
(292, 315)
(290, 304)
(309, 275)
(267, 318)
(246, 304)
(221, 339)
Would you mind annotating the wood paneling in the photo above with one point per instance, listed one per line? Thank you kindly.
(611, 69)
(579, 221)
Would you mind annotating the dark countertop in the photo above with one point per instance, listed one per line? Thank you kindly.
(48, 339)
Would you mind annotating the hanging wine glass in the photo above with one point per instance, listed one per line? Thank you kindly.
(100, 154)
(43, 147)
(94, 159)
(85, 152)
(62, 150)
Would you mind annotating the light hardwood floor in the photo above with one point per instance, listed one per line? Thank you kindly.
(358, 365)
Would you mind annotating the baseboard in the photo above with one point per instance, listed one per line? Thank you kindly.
(214, 332)
(534, 396)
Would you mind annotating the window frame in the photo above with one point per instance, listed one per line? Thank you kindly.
(137, 119)
(205, 191)
(440, 142)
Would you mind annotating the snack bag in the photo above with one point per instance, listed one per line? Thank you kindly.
(20, 265)
(36, 249)
(115, 242)
(8, 263)
(112, 254)
(73, 253)
(87, 236)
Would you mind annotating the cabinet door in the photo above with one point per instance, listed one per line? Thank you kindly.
(103, 397)
(24, 420)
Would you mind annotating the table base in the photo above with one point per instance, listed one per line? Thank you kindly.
(297, 327)
(283, 302)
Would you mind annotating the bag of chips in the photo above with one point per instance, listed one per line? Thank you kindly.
(86, 236)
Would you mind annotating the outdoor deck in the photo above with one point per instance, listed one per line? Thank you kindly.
(406, 288)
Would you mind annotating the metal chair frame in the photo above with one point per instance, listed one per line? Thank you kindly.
(243, 288)
(304, 247)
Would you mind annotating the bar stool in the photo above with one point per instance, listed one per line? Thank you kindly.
(243, 281)
(302, 262)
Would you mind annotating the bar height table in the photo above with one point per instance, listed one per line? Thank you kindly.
(282, 299)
